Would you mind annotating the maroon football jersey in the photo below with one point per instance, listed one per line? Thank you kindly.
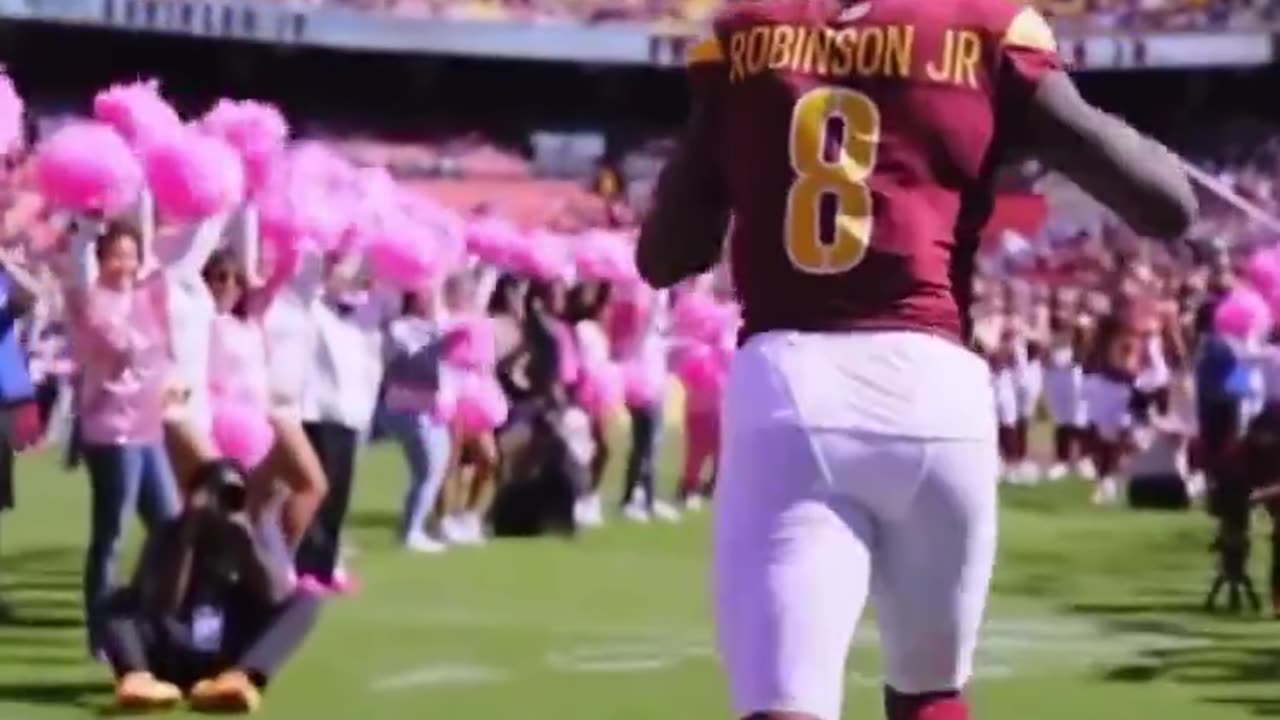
(858, 147)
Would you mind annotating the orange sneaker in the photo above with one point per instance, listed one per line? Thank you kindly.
(230, 692)
(142, 691)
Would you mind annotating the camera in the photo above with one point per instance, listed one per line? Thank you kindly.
(223, 482)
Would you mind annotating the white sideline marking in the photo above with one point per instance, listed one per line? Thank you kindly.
(626, 657)
(1009, 647)
(439, 674)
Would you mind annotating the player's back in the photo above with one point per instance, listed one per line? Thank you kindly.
(859, 143)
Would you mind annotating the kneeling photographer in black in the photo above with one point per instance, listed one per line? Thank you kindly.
(1246, 476)
(210, 611)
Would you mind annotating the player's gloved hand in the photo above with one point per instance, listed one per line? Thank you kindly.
(26, 429)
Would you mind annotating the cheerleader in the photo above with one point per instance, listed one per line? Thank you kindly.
(1029, 380)
(419, 408)
(642, 350)
(1109, 396)
(587, 303)
(293, 341)
(1064, 396)
(1152, 384)
(1008, 363)
(189, 312)
(701, 361)
(241, 366)
(471, 484)
(338, 401)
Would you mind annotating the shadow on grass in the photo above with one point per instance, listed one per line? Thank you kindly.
(21, 620)
(87, 695)
(42, 589)
(373, 520)
(1189, 647)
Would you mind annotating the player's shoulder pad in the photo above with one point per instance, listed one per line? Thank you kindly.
(705, 51)
(1029, 29)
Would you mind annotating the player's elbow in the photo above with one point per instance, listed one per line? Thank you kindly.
(1169, 213)
(656, 270)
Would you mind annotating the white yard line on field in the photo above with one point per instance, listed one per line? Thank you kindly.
(1010, 647)
(437, 674)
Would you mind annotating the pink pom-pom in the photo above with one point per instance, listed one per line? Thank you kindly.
(407, 245)
(604, 255)
(700, 317)
(481, 406)
(137, 111)
(544, 255)
(626, 312)
(444, 407)
(1263, 271)
(11, 110)
(702, 371)
(307, 198)
(472, 344)
(399, 261)
(600, 389)
(1242, 314)
(256, 130)
(492, 239)
(192, 175)
(242, 432)
(643, 387)
(87, 166)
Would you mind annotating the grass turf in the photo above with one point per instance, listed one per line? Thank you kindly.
(1093, 615)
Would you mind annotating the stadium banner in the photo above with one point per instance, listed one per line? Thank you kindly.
(605, 43)
(266, 22)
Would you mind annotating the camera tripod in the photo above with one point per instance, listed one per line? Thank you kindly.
(1232, 547)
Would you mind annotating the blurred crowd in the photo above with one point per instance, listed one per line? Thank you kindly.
(1095, 15)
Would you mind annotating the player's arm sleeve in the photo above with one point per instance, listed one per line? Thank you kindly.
(683, 232)
(1137, 177)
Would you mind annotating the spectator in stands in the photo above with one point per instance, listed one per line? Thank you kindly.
(210, 610)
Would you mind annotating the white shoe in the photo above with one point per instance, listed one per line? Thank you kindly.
(1014, 475)
(473, 530)
(1056, 472)
(1107, 492)
(665, 511)
(587, 511)
(595, 509)
(635, 512)
(453, 530)
(693, 503)
(1029, 471)
(1196, 485)
(1086, 470)
(424, 544)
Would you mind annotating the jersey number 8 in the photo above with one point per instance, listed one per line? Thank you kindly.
(831, 167)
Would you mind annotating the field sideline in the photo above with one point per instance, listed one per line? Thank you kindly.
(1093, 616)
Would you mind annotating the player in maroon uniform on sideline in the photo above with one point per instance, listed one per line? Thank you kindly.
(854, 144)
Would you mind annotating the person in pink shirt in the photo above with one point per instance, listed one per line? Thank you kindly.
(122, 347)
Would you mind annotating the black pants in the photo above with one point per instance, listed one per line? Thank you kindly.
(6, 460)
(257, 640)
(646, 432)
(336, 447)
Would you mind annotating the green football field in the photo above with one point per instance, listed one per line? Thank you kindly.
(1093, 616)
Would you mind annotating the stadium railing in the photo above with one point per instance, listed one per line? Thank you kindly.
(621, 42)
